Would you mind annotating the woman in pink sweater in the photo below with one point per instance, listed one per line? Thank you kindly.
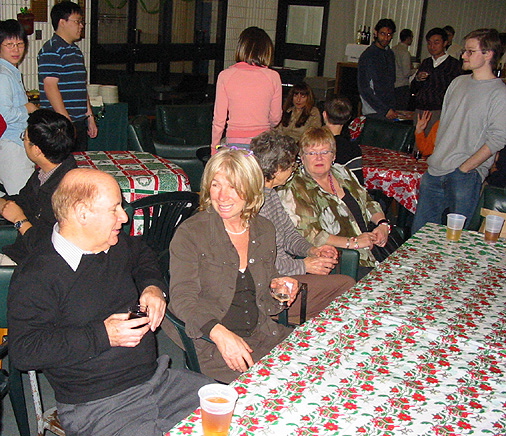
(248, 94)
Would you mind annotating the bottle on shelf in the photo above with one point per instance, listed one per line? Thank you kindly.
(368, 35)
(363, 36)
(358, 37)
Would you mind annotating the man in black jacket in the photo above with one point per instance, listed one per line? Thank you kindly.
(48, 141)
(68, 316)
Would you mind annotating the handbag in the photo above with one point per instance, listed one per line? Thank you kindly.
(394, 241)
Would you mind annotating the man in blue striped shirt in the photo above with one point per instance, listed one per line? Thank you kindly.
(62, 74)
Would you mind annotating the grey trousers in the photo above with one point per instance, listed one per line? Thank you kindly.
(149, 409)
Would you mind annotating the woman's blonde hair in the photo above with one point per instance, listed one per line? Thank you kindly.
(243, 172)
(317, 135)
(254, 47)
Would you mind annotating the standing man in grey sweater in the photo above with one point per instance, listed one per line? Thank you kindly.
(471, 131)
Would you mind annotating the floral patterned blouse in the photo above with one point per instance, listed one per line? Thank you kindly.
(317, 214)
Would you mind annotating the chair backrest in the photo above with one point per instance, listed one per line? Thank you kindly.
(191, 122)
(5, 279)
(386, 134)
(493, 198)
(162, 213)
(139, 135)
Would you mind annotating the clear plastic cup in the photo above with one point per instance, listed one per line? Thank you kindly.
(217, 402)
(493, 227)
(454, 225)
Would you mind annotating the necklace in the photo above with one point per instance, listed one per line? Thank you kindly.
(332, 187)
(237, 233)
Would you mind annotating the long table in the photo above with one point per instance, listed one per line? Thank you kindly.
(394, 173)
(418, 347)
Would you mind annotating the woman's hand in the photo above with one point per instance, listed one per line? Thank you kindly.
(234, 349)
(423, 120)
(381, 234)
(365, 240)
(319, 265)
(292, 290)
(324, 251)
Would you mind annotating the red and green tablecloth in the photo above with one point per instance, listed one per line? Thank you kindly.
(418, 347)
(394, 173)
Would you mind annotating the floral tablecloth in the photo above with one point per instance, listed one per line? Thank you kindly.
(396, 174)
(418, 347)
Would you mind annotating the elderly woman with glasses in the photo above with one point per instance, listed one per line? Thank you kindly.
(15, 167)
(328, 205)
(222, 266)
(276, 154)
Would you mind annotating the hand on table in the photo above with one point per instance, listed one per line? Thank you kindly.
(124, 332)
(391, 114)
(234, 349)
(153, 298)
(319, 265)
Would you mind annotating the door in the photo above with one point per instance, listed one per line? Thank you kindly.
(301, 33)
(163, 37)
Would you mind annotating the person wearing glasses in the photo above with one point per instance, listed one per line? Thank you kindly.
(471, 131)
(48, 142)
(277, 155)
(328, 205)
(376, 74)
(62, 74)
(15, 167)
(434, 76)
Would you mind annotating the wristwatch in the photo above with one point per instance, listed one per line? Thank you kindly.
(18, 224)
(386, 222)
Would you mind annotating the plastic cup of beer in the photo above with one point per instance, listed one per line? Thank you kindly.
(454, 225)
(493, 227)
(217, 403)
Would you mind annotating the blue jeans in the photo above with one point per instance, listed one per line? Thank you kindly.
(457, 191)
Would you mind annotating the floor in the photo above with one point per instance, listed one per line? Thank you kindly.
(8, 423)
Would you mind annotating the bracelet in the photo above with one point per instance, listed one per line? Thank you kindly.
(385, 222)
(355, 240)
(348, 243)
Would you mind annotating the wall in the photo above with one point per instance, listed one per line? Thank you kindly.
(28, 68)
(245, 13)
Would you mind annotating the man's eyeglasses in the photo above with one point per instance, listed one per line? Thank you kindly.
(470, 52)
(323, 153)
(13, 45)
(79, 22)
(23, 136)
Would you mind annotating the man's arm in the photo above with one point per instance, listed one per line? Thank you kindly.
(92, 124)
(54, 96)
(476, 159)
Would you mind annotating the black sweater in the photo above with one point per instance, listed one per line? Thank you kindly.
(56, 319)
(430, 92)
(35, 200)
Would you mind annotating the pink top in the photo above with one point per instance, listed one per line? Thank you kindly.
(251, 97)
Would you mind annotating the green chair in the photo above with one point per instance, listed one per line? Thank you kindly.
(492, 198)
(386, 134)
(15, 381)
(140, 138)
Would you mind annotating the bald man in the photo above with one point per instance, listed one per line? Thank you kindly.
(68, 317)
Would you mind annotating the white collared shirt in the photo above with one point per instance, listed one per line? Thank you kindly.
(439, 60)
(70, 252)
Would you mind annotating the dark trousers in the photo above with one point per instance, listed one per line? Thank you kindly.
(81, 127)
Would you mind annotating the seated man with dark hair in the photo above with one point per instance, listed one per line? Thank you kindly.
(48, 140)
(336, 114)
(68, 316)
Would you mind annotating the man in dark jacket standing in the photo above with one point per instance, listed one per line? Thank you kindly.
(434, 76)
(376, 74)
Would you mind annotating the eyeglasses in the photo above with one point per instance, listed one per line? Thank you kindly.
(323, 153)
(13, 45)
(79, 22)
(470, 52)
(23, 137)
